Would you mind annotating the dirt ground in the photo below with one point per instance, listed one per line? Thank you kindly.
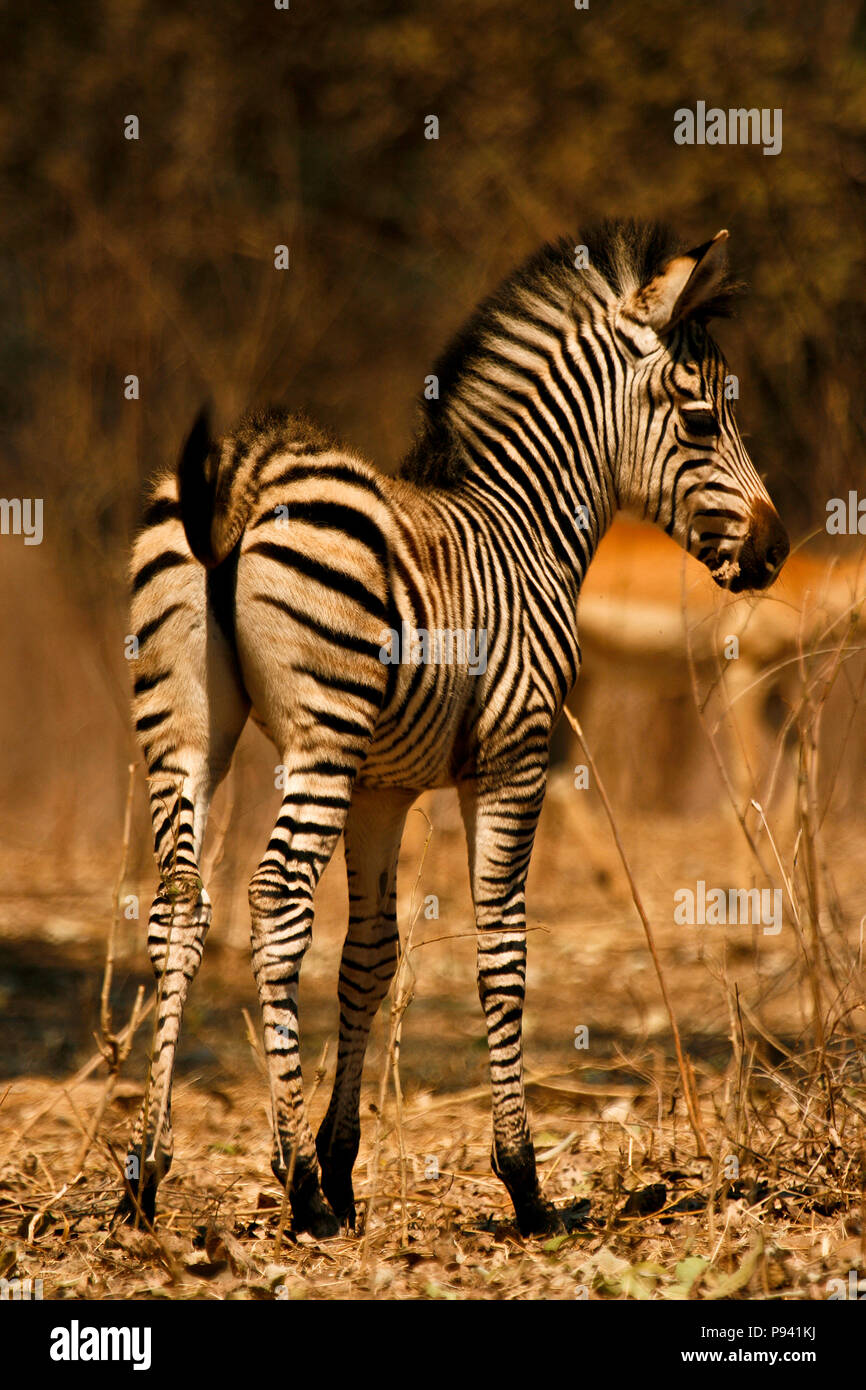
(776, 1208)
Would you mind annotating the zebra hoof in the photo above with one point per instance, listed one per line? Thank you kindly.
(539, 1218)
(310, 1212)
(313, 1216)
(336, 1160)
(341, 1197)
(136, 1198)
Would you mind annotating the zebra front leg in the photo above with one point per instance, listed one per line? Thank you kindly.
(373, 831)
(281, 906)
(500, 828)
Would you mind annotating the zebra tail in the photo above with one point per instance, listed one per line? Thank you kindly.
(217, 488)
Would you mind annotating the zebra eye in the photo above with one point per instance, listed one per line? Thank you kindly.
(700, 420)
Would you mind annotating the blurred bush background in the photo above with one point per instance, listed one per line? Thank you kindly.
(260, 127)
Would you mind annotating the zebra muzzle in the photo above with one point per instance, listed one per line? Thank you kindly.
(762, 554)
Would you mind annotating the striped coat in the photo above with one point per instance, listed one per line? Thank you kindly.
(391, 635)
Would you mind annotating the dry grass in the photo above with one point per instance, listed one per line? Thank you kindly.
(759, 1192)
(791, 1222)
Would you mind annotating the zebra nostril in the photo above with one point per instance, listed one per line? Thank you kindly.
(763, 551)
(769, 540)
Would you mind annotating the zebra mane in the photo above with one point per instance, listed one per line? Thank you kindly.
(622, 255)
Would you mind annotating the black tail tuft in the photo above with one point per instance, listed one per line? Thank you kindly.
(197, 488)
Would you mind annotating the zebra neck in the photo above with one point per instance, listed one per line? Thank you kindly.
(539, 473)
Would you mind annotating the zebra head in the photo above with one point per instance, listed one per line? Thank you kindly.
(682, 462)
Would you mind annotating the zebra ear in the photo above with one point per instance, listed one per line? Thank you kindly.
(687, 284)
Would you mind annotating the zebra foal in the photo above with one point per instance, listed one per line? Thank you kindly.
(275, 572)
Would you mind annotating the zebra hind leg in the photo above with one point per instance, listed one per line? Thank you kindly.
(190, 708)
(310, 822)
(179, 920)
(373, 831)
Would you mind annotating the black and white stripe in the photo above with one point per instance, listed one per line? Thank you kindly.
(571, 393)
